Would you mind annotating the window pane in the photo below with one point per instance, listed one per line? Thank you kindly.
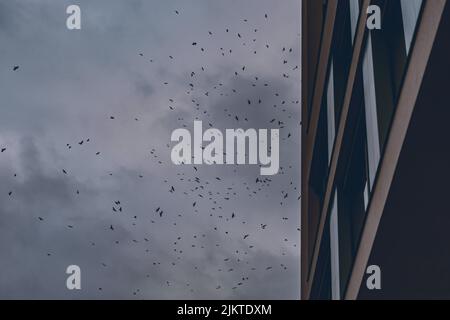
(318, 178)
(321, 289)
(330, 112)
(373, 144)
(342, 55)
(334, 251)
(354, 15)
(410, 13)
(351, 203)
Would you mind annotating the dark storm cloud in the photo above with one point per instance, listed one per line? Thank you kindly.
(69, 85)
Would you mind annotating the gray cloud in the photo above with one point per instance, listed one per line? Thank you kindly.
(69, 85)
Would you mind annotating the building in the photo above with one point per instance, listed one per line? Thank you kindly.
(375, 149)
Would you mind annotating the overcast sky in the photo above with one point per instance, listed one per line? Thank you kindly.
(68, 86)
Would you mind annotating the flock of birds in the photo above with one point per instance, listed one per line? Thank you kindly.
(210, 197)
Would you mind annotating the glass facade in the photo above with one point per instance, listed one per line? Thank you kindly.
(374, 97)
